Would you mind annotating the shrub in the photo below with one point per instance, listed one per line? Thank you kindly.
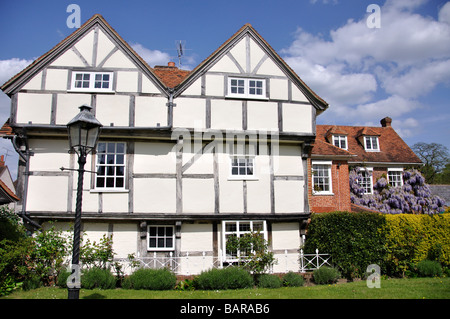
(32, 282)
(61, 281)
(151, 279)
(98, 278)
(354, 240)
(429, 268)
(226, 278)
(326, 275)
(269, 281)
(292, 279)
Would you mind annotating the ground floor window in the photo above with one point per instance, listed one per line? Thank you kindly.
(395, 177)
(239, 229)
(160, 237)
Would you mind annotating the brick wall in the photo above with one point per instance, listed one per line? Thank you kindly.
(340, 200)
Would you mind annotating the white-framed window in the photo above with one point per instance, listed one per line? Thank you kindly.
(367, 180)
(321, 176)
(371, 144)
(239, 229)
(340, 141)
(160, 237)
(110, 166)
(242, 166)
(92, 81)
(395, 177)
(246, 88)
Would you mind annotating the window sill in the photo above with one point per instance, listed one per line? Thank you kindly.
(242, 178)
(91, 91)
(323, 194)
(109, 190)
(246, 97)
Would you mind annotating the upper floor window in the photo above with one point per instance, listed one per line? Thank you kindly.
(321, 172)
(340, 141)
(110, 166)
(371, 143)
(242, 166)
(246, 88)
(92, 81)
(395, 177)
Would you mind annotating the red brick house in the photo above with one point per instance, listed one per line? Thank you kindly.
(380, 150)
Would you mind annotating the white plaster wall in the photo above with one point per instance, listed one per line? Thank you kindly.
(125, 238)
(94, 231)
(113, 109)
(226, 114)
(194, 89)
(154, 195)
(104, 46)
(148, 86)
(189, 113)
(270, 68)
(262, 115)
(56, 79)
(297, 95)
(68, 106)
(196, 237)
(225, 64)
(34, 83)
(49, 155)
(116, 202)
(149, 111)
(285, 236)
(289, 161)
(289, 196)
(198, 195)
(153, 157)
(34, 107)
(68, 58)
(85, 45)
(297, 118)
(256, 54)
(279, 89)
(47, 193)
(214, 85)
(119, 60)
(239, 53)
(127, 81)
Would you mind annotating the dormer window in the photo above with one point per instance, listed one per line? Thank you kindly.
(246, 88)
(340, 141)
(371, 144)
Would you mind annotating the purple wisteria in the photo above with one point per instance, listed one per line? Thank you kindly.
(413, 197)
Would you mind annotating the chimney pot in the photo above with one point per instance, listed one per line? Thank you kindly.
(386, 122)
(171, 64)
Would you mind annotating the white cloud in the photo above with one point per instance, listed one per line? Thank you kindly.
(366, 74)
(152, 57)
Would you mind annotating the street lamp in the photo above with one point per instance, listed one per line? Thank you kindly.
(84, 130)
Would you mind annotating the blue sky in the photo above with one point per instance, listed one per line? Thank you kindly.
(401, 69)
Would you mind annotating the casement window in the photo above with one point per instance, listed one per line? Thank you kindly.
(367, 180)
(110, 166)
(395, 177)
(371, 144)
(92, 81)
(160, 237)
(242, 166)
(340, 141)
(321, 175)
(239, 229)
(247, 88)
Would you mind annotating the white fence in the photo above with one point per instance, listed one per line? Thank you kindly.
(194, 264)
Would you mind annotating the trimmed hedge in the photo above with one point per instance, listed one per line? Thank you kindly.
(226, 278)
(151, 279)
(354, 240)
(394, 242)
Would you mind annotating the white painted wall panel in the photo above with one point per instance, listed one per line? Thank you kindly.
(85, 46)
(68, 106)
(34, 107)
(154, 195)
(262, 115)
(113, 109)
(49, 155)
(198, 195)
(289, 196)
(189, 113)
(279, 89)
(297, 118)
(149, 111)
(256, 54)
(127, 81)
(289, 161)
(115, 202)
(214, 85)
(68, 58)
(226, 114)
(119, 60)
(56, 79)
(47, 193)
(154, 158)
(125, 238)
(196, 237)
(34, 83)
(285, 236)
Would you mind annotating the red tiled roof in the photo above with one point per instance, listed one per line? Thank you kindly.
(6, 129)
(323, 148)
(7, 195)
(171, 76)
(392, 148)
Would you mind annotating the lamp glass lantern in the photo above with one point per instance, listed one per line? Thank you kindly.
(84, 130)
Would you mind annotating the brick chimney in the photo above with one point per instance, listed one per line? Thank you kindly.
(171, 64)
(2, 160)
(386, 122)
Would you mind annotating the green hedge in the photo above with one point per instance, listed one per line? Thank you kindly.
(151, 279)
(394, 242)
(226, 278)
(354, 240)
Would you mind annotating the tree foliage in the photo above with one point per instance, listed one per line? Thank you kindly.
(413, 197)
(434, 156)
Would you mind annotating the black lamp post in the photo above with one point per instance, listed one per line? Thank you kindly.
(84, 130)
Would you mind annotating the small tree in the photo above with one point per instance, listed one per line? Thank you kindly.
(252, 251)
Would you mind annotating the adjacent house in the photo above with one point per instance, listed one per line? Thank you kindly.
(380, 150)
(185, 158)
(7, 189)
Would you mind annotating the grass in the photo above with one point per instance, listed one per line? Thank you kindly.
(413, 288)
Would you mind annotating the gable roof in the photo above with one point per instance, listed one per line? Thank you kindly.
(247, 29)
(22, 77)
(392, 148)
(171, 76)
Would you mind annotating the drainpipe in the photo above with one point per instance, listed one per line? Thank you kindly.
(170, 110)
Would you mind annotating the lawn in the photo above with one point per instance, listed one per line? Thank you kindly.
(413, 288)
